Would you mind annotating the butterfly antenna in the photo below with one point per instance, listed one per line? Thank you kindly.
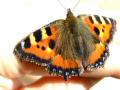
(66, 8)
(76, 5)
(62, 5)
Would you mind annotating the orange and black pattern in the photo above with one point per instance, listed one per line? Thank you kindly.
(69, 47)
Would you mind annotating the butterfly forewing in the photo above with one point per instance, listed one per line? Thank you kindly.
(102, 27)
(39, 46)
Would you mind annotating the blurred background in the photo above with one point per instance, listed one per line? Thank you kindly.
(18, 18)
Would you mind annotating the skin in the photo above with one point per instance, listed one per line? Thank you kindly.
(13, 72)
(10, 69)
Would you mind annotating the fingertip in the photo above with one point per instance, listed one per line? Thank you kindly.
(58, 83)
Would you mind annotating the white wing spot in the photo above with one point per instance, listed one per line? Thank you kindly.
(95, 21)
(22, 44)
(103, 21)
(108, 20)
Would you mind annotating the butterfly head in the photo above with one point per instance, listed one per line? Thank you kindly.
(69, 13)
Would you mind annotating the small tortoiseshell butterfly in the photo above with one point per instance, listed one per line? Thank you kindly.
(69, 47)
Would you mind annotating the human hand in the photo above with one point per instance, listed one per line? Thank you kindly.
(12, 71)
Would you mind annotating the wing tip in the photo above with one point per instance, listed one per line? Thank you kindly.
(113, 29)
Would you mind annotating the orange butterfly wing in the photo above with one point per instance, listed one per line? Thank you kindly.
(102, 28)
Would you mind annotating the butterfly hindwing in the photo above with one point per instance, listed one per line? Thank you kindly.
(102, 29)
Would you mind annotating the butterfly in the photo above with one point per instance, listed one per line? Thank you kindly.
(69, 47)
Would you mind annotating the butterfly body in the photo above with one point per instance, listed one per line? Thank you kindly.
(69, 47)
